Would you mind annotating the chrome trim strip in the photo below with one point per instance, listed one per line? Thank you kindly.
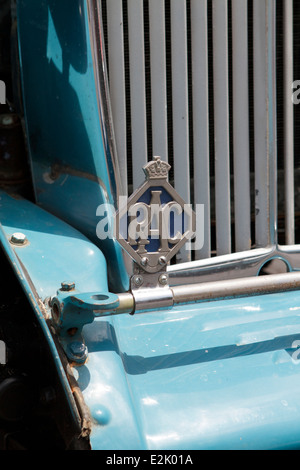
(234, 266)
(240, 287)
(208, 291)
(95, 26)
(103, 96)
(288, 38)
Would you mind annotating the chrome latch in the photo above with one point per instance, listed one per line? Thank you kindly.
(71, 310)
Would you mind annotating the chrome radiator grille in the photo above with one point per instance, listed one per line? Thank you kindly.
(207, 85)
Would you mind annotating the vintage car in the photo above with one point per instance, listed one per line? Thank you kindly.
(149, 225)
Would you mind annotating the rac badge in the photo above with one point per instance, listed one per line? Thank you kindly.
(155, 222)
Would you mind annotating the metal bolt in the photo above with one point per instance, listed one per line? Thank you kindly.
(77, 351)
(138, 280)
(67, 285)
(144, 261)
(162, 260)
(18, 238)
(163, 279)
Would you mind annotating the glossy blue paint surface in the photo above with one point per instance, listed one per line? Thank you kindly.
(214, 375)
(220, 375)
(67, 148)
(56, 252)
(53, 254)
(30, 292)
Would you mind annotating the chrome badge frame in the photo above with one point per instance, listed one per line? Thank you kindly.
(155, 222)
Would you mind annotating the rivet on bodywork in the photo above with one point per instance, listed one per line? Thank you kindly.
(101, 415)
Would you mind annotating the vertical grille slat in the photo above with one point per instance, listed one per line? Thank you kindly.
(180, 97)
(207, 85)
(137, 90)
(221, 115)
(264, 122)
(240, 99)
(201, 177)
(288, 123)
(158, 78)
(117, 83)
(180, 104)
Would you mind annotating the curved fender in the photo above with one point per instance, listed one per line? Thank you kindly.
(49, 253)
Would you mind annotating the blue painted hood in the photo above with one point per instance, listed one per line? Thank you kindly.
(215, 375)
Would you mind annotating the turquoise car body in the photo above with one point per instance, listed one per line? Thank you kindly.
(220, 374)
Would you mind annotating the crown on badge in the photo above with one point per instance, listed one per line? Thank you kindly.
(157, 169)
